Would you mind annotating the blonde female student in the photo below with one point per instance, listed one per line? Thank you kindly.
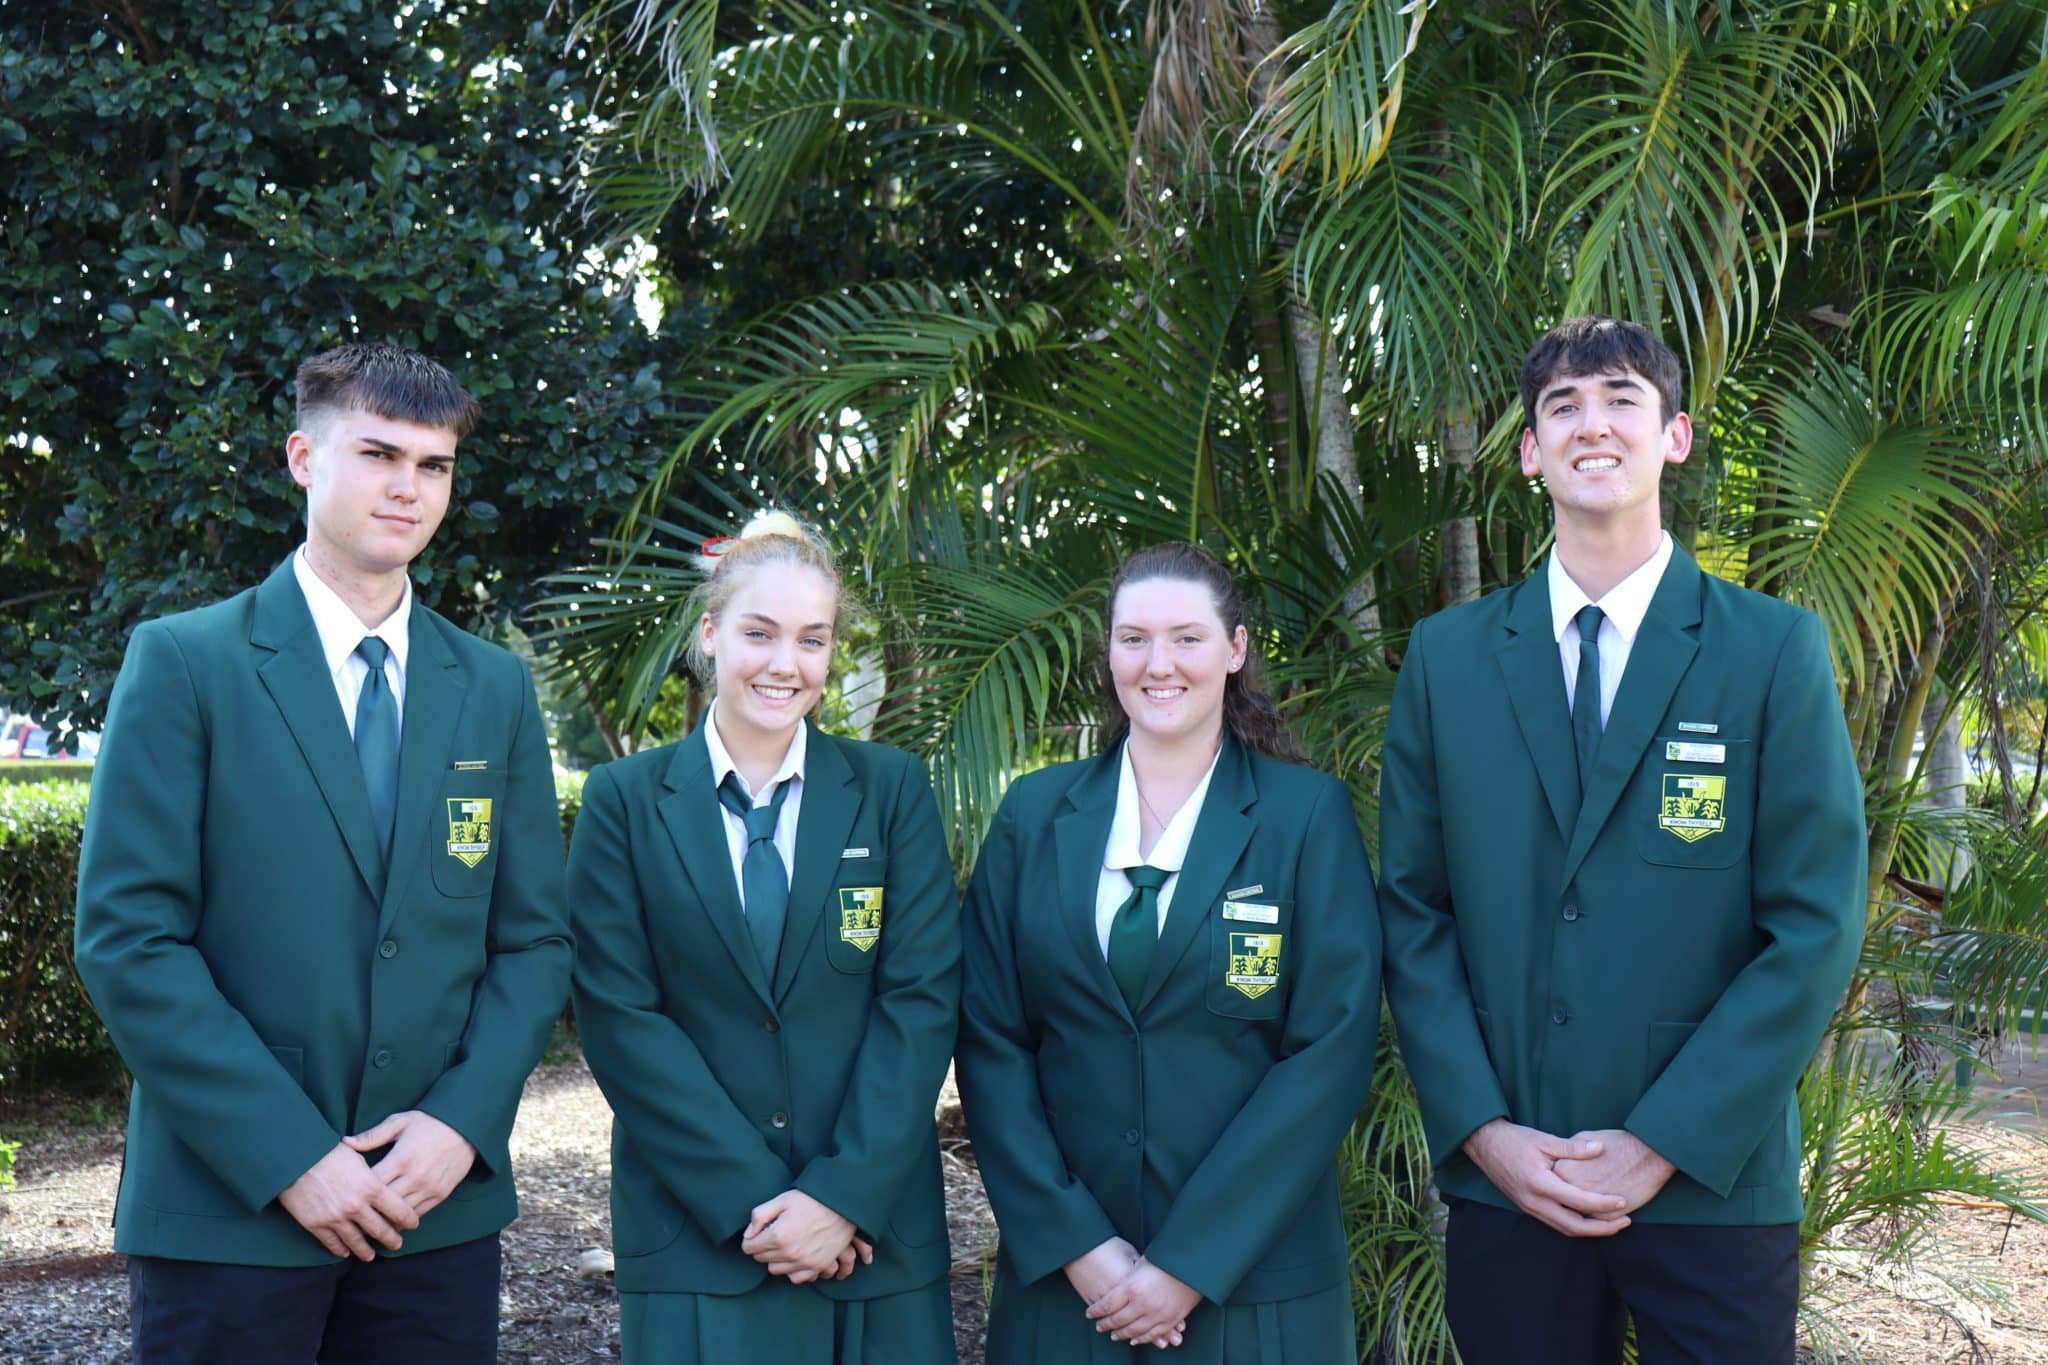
(766, 986)
(1171, 1001)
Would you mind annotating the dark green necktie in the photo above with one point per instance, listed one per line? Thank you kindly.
(764, 881)
(1586, 726)
(377, 742)
(1134, 933)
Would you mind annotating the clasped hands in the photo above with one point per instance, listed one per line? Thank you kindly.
(349, 1204)
(1585, 1185)
(1129, 1297)
(795, 1235)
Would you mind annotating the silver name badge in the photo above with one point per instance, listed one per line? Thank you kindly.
(1244, 891)
(853, 853)
(1698, 727)
(1696, 753)
(1251, 912)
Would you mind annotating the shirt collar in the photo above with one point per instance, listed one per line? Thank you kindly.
(341, 630)
(721, 757)
(1172, 849)
(1625, 604)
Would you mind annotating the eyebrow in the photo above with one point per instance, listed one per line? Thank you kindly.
(771, 621)
(1620, 381)
(1185, 625)
(378, 443)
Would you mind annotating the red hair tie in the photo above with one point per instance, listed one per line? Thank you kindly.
(714, 547)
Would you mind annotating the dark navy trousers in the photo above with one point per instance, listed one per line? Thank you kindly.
(1520, 1293)
(433, 1307)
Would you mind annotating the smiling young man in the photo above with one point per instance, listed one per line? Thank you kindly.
(320, 910)
(1623, 861)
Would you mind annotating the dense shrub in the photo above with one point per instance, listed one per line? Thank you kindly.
(46, 770)
(48, 1029)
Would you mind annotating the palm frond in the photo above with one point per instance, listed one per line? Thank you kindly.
(1336, 108)
(1875, 518)
(1686, 140)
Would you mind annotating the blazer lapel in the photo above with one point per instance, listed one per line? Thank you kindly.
(434, 689)
(696, 826)
(1222, 829)
(1080, 835)
(297, 679)
(830, 802)
(1530, 667)
(1662, 652)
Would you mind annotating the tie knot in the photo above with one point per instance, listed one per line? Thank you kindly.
(1589, 619)
(760, 820)
(1146, 877)
(373, 649)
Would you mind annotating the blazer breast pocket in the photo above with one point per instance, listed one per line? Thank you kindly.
(1249, 957)
(856, 913)
(1695, 801)
(463, 846)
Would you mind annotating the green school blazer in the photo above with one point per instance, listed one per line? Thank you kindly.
(268, 987)
(1203, 1127)
(728, 1088)
(1660, 953)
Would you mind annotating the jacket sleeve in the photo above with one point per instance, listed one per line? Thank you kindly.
(1711, 1107)
(527, 947)
(1046, 1214)
(661, 1090)
(1308, 1099)
(886, 1117)
(140, 897)
(1427, 989)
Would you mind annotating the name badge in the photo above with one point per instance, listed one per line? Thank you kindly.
(1698, 727)
(1677, 751)
(471, 765)
(1254, 889)
(853, 853)
(1252, 912)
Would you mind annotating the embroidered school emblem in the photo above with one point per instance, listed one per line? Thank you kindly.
(1693, 806)
(860, 915)
(1254, 963)
(469, 828)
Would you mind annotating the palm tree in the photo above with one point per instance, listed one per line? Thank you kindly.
(1278, 270)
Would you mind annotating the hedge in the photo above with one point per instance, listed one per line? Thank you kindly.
(49, 1032)
(46, 770)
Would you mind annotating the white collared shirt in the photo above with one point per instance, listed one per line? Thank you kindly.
(1622, 611)
(1113, 887)
(341, 630)
(791, 771)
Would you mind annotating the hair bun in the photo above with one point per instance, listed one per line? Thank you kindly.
(775, 522)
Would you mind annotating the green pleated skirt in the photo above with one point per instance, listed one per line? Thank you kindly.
(1047, 1324)
(780, 1323)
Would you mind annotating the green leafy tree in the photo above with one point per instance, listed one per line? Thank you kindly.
(1294, 253)
(193, 199)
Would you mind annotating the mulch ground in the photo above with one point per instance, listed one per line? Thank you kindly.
(63, 1292)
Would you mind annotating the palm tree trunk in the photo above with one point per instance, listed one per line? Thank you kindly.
(1460, 577)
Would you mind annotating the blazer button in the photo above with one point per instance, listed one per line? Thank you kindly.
(388, 948)
(772, 1025)
(779, 1119)
(1559, 1017)
(1131, 1136)
(382, 1059)
(1571, 912)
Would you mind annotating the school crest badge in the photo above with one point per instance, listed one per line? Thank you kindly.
(469, 828)
(860, 916)
(1693, 805)
(1254, 963)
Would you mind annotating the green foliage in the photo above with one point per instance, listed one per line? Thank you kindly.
(7, 1151)
(46, 770)
(49, 1032)
(194, 199)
